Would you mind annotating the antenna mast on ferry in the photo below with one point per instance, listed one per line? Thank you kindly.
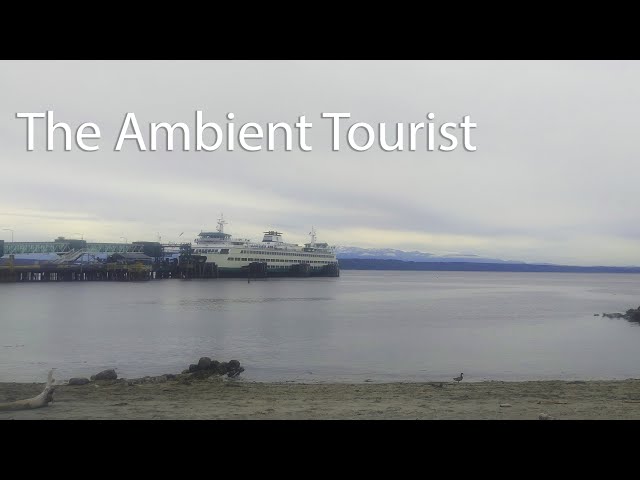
(312, 233)
(221, 223)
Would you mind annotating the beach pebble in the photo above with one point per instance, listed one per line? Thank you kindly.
(506, 405)
(105, 375)
(79, 381)
(545, 416)
(193, 368)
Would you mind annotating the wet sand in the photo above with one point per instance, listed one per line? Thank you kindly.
(237, 399)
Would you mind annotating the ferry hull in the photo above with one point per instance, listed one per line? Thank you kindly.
(273, 273)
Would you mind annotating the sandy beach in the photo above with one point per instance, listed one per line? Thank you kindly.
(215, 398)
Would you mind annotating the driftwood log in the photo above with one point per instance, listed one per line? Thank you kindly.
(41, 400)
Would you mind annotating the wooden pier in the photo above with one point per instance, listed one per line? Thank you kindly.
(73, 273)
(123, 272)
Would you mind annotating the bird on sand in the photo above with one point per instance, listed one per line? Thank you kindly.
(458, 379)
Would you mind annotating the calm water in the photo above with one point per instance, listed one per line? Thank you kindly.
(383, 326)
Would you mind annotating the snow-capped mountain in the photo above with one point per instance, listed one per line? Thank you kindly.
(415, 256)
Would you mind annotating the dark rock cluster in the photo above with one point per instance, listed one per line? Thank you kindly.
(633, 315)
(105, 375)
(207, 367)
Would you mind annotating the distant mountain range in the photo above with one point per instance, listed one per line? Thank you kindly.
(355, 258)
(415, 256)
(378, 264)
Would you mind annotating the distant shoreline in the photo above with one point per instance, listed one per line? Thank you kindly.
(217, 399)
(401, 265)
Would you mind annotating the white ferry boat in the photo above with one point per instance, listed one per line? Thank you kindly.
(273, 256)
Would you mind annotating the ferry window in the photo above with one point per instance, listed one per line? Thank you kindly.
(230, 258)
(244, 260)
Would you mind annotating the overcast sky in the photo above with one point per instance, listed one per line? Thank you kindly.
(554, 177)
